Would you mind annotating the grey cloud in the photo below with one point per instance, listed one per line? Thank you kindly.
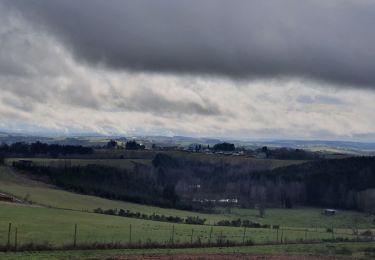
(319, 99)
(324, 40)
(148, 101)
(18, 104)
(80, 95)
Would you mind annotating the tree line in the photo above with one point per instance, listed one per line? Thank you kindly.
(155, 217)
(108, 182)
(177, 182)
(38, 148)
(341, 183)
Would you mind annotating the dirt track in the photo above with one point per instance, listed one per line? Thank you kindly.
(223, 257)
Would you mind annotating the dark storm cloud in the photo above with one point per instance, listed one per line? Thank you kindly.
(320, 39)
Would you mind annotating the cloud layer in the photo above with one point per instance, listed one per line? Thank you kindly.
(324, 40)
(134, 68)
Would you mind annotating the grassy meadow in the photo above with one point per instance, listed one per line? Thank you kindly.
(56, 226)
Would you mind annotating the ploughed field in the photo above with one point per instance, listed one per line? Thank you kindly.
(327, 251)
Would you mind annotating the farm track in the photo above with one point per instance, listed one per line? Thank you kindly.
(223, 257)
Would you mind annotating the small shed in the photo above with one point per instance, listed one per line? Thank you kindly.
(329, 212)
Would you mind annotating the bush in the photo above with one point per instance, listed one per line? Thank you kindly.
(98, 210)
(343, 251)
(236, 223)
(367, 233)
(223, 223)
(110, 212)
(195, 220)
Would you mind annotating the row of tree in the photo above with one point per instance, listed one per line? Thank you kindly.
(155, 217)
(244, 223)
(129, 145)
(288, 153)
(176, 182)
(38, 148)
(138, 185)
(343, 183)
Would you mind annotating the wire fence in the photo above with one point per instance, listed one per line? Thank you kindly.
(174, 236)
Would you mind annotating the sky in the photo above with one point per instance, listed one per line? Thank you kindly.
(244, 69)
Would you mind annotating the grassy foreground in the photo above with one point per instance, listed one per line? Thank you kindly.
(56, 226)
(344, 250)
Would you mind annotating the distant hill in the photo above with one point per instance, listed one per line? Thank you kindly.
(345, 147)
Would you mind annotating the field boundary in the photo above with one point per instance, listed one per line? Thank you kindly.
(31, 247)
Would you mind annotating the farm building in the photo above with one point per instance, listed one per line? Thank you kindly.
(329, 212)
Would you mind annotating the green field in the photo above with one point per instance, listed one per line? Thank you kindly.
(118, 163)
(105, 157)
(56, 226)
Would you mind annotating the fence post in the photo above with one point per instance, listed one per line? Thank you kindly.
(15, 238)
(75, 235)
(9, 230)
(209, 239)
(172, 238)
(192, 233)
(277, 235)
(244, 234)
(130, 233)
(282, 236)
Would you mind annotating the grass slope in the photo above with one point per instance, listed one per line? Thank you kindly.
(13, 183)
(56, 226)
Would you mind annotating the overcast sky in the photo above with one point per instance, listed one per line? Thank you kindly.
(242, 69)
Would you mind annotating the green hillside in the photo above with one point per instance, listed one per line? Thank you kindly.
(43, 194)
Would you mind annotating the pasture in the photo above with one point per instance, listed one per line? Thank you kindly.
(56, 226)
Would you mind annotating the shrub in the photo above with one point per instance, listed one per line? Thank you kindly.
(98, 210)
(367, 233)
(195, 220)
(343, 251)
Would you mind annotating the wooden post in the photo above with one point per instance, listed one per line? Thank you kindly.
(277, 235)
(244, 234)
(130, 234)
(209, 239)
(75, 236)
(172, 238)
(9, 230)
(192, 233)
(221, 237)
(15, 238)
(282, 236)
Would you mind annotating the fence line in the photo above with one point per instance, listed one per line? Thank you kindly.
(207, 238)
